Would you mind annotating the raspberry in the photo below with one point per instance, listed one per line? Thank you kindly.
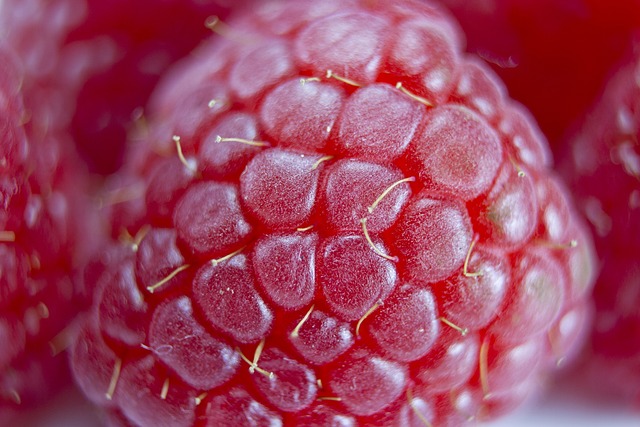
(601, 166)
(545, 48)
(79, 51)
(333, 218)
(43, 220)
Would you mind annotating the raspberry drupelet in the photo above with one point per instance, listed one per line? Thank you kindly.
(332, 216)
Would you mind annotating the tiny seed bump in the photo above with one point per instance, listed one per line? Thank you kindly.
(7, 236)
(251, 368)
(413, 96)
(220, 139)
(140, 235)
(258, 352)
(253, 365)
(125, 237)
(367, 314)
(189, 165)
(35, 262)
(304, 81)
(63, 340)
(387, 191)
(115, 375)
(465, 267)
(215, 24)
(171, 275)
(572, 244)
(415, 410)
(165, 389)
(216, 262)
(463, 331)
(200, 398)
(363, 221)
(521, 173)
(25, 118)
(43, 310)
(319, 161)
(211, 22)
(296, 330)
(331, 75)
(140, 125)
(15, 396)
(304, 228)
(554, 348)
(137, 113)
(330, 398)
(121, 195)
(483, 366)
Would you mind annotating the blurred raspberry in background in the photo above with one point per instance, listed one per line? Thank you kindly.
(94, 63)
(601, 163)
(553, 55)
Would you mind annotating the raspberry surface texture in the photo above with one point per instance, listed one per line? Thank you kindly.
(333, 217)
(79, 51)
(553, 56)
(43, 227)
(602, 166)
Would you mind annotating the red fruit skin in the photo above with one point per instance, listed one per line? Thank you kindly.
(601, 166)
(543, 48)
(78, 51)
(47, 228)
(336, 260)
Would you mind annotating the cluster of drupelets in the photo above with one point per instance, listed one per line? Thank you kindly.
(384, 244)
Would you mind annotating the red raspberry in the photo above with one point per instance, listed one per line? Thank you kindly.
(602, 166)
(334, 218)
(553, 55)
(99, 60)
(44, 223)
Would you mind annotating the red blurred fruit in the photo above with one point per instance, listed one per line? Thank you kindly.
(45, 229)
(602, 166)
(333, 216)
(96, 62)
(553, 55)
